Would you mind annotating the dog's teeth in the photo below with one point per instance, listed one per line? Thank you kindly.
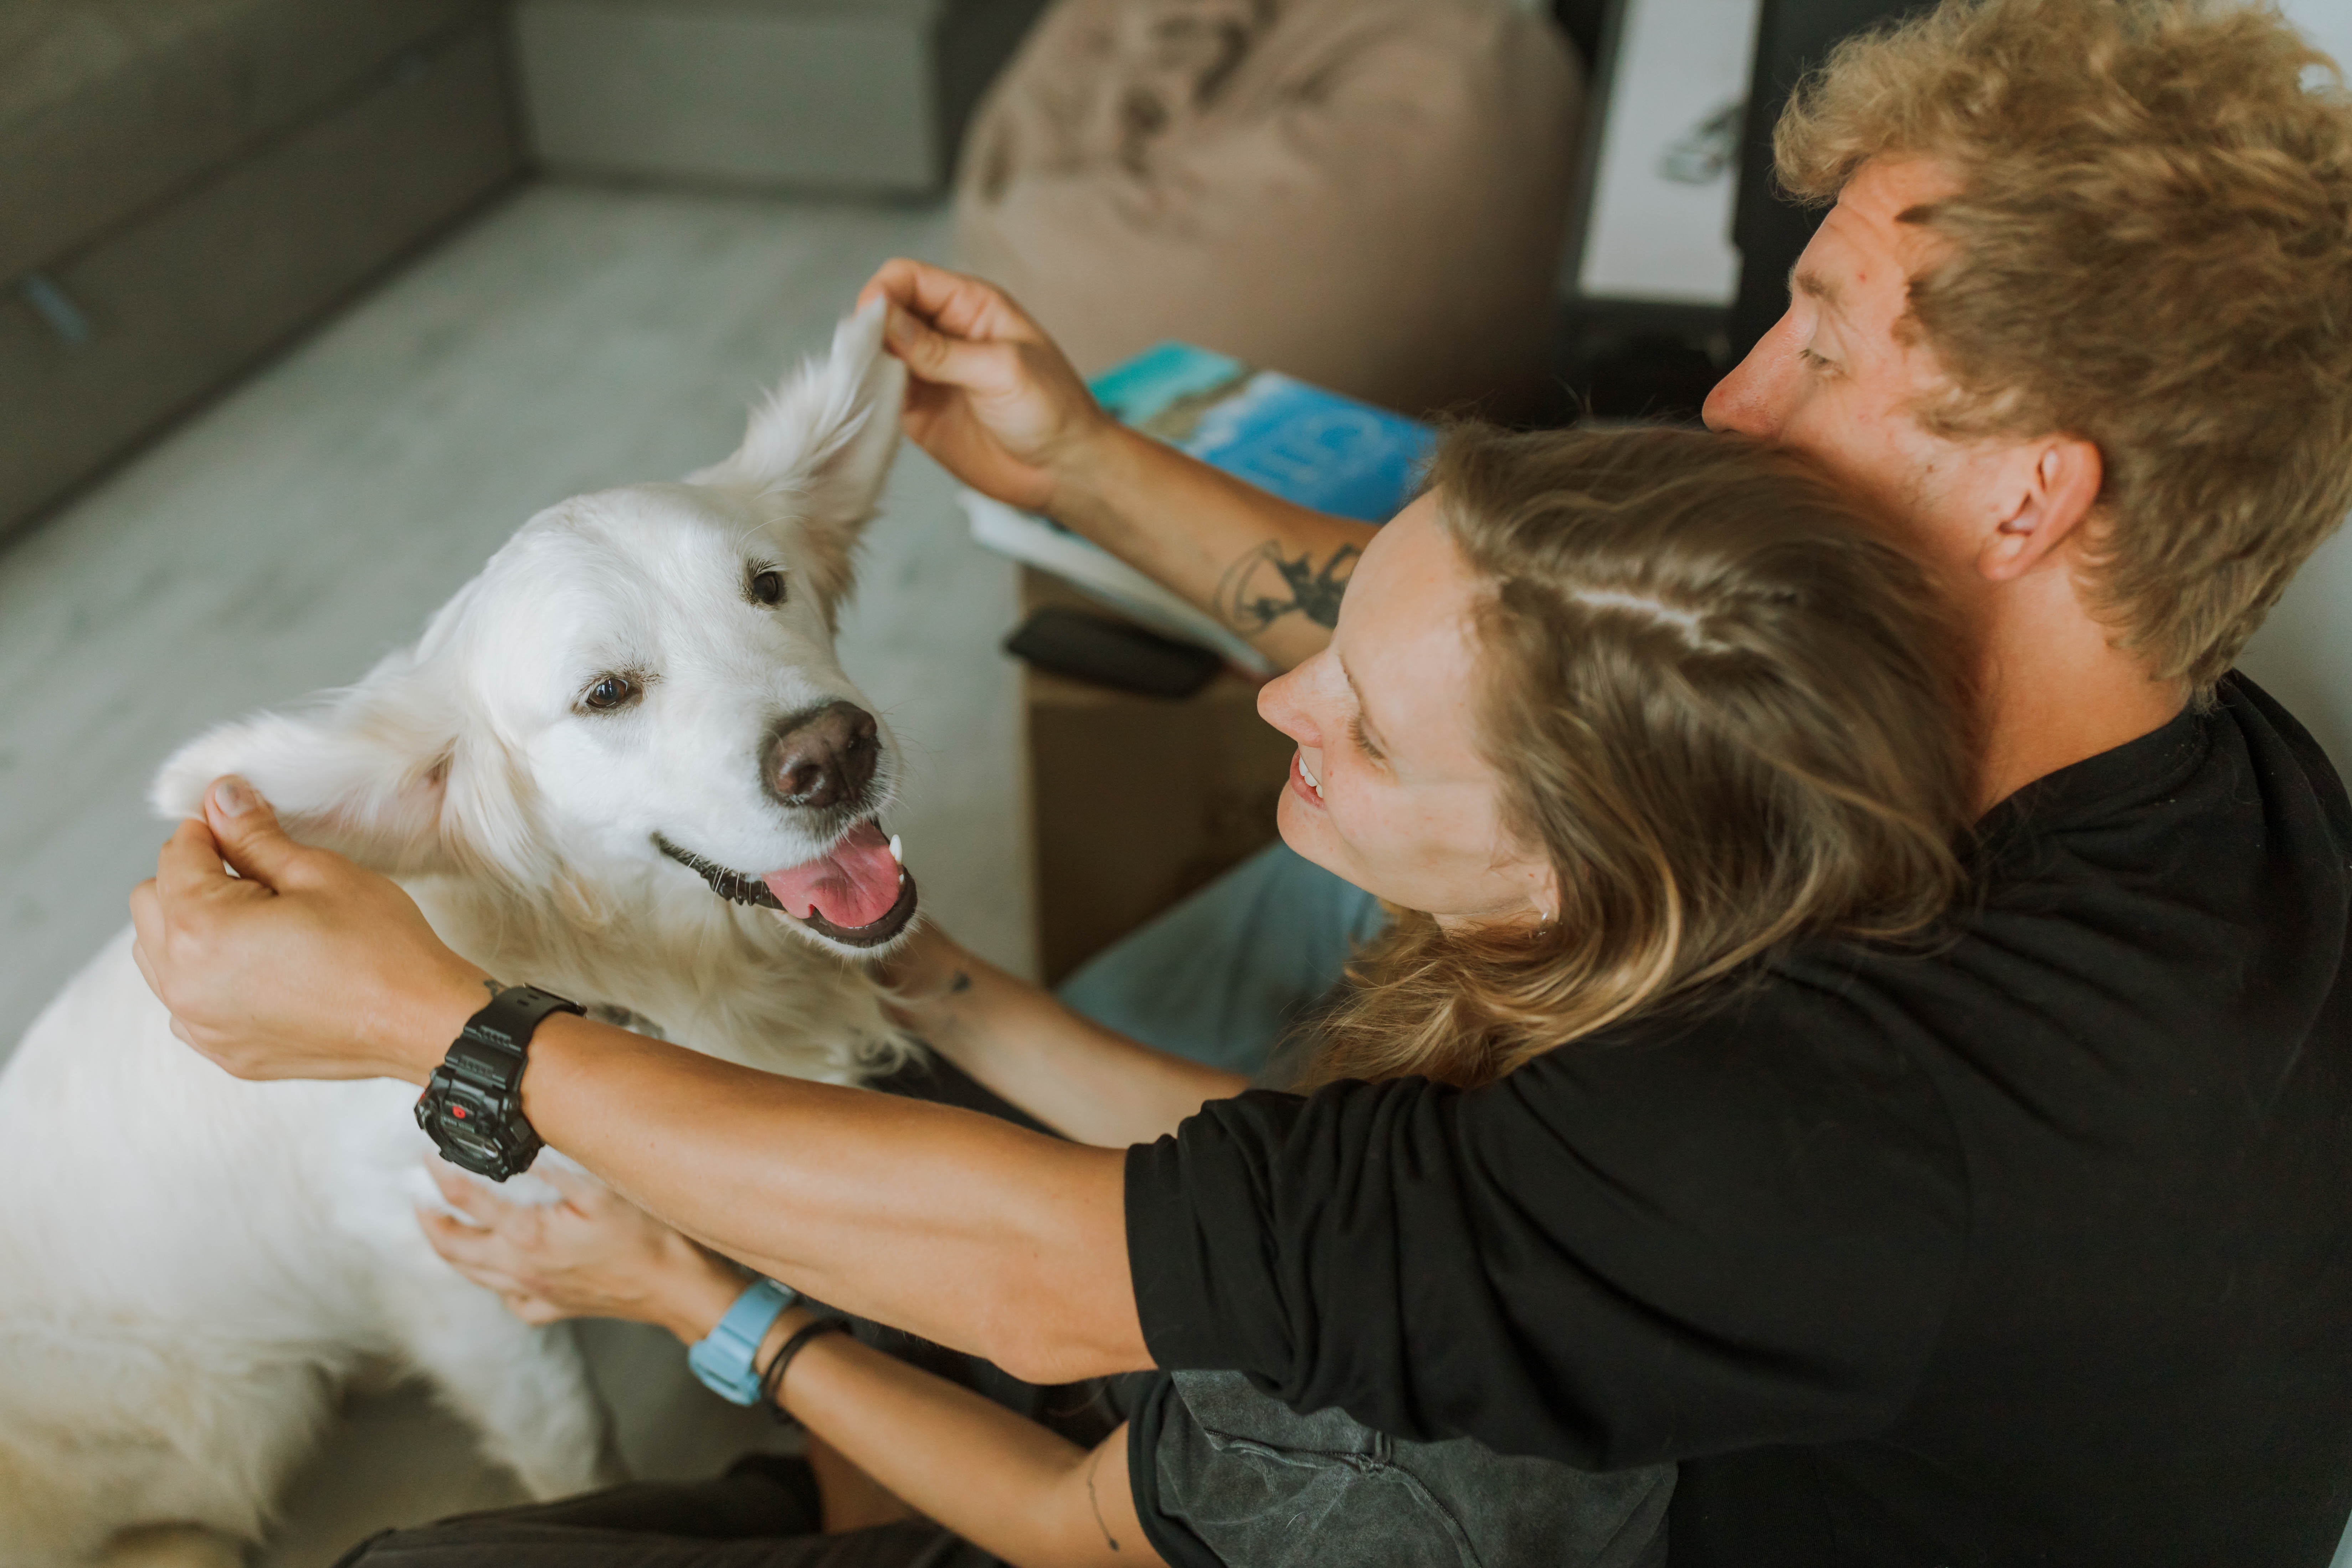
(895, 856)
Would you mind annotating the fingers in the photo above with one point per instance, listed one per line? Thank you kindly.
(957, 304)
(580, 1189)
(893, 280)
(189, 866)
(934, 356)
(473, 1253)
(147, 932)
(531, 1309)
(246, 830)
(485, 1208)
(476, 1254)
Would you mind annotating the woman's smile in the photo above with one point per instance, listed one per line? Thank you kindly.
(1304, 783)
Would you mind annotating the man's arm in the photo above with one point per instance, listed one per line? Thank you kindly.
(974, 1233)
(999, 406)
(958, 1226)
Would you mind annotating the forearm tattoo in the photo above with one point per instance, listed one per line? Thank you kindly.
(1265, 585)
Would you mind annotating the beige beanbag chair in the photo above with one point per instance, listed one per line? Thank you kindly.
(1371, 195)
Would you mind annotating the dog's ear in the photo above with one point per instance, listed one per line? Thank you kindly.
(364, 773)
(825, 439)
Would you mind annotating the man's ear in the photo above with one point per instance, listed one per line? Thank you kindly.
(824, 441)
(364, 773)
(2047, 489)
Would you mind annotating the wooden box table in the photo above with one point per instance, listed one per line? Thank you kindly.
(1137, 801)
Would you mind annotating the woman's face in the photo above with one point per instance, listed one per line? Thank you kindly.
(1390, 789)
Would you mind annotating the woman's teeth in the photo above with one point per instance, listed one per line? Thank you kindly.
(1312, 782)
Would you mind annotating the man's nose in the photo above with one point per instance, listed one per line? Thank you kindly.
(1749, 400)
(822, 757)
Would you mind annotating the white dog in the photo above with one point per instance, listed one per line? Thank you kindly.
(585, 773)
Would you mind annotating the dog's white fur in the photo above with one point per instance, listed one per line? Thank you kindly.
(190, 1265)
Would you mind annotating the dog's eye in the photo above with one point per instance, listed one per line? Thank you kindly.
(611, 692)
(768, 586)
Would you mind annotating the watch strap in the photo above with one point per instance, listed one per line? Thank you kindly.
(507, 1023)
(723, 1358)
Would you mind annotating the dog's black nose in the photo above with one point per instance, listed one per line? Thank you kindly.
(823, 757)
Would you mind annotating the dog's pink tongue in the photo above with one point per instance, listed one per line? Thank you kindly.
(854, 886)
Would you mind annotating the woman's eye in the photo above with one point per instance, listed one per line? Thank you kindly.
(612, 691)
(767, 587)
(1363, 741)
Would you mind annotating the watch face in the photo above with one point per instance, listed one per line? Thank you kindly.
(467, 1127)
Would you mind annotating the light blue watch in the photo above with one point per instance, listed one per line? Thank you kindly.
(723, 1358)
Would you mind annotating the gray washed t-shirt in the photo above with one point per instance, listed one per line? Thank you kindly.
(1226, 1477)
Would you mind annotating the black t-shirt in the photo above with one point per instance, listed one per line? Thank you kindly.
(2034, 1248)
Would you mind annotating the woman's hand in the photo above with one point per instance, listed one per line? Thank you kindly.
(989, 394)
(1089, 1083)
(594, 1254)
(925, 973)
(300, 966)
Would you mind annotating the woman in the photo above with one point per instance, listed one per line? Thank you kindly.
(1609, 720)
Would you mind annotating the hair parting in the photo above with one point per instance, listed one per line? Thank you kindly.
(1728, 711)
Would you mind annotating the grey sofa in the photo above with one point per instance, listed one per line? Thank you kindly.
(184, 183)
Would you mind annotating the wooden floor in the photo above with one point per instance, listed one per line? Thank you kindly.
(574, 338)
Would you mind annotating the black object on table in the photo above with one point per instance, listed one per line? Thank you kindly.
(1105, 652)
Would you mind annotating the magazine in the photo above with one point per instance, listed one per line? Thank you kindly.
(1308, 445)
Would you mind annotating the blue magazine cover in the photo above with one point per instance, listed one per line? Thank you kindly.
(1304, 444)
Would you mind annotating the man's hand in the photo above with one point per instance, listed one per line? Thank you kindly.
(594, 1254)
(299, 965)
(988, 394)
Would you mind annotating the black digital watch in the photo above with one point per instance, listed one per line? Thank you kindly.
(472, 1105)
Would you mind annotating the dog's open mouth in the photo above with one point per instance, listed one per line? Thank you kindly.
(856, 893)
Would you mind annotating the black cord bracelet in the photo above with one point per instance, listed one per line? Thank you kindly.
(773, 1379)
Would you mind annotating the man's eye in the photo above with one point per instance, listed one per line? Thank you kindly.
(767, 587)
(612, 692)
(1810, 358)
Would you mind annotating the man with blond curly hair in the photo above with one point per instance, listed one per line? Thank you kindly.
(2034, 1246)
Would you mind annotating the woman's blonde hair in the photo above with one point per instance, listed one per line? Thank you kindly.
(2151, 248)
(1722, 706)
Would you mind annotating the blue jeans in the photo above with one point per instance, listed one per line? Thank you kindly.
(1222, 976)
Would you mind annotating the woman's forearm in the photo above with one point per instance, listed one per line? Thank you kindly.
(1007, 1485)
(1272, 571)
(974, 1233)
(1090, 1083)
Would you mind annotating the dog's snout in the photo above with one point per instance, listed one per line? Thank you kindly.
(824, 757)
